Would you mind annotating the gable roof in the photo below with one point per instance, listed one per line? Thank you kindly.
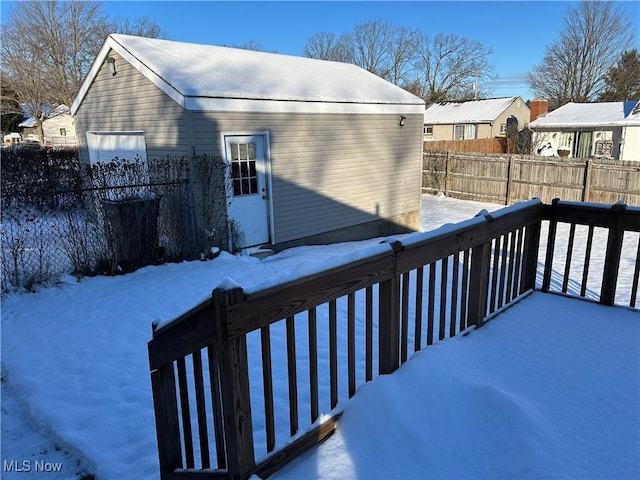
(471, 111)
(591, 115)
(206, 77)
(30, 122)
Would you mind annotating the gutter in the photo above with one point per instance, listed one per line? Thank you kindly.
(583, 125)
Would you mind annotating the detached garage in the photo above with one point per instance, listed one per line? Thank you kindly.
(316, 151)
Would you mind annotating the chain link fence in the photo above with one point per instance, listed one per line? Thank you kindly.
(60, 217)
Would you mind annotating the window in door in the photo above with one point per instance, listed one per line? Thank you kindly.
(243, 168)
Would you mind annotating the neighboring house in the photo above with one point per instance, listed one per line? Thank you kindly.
(58, 128)
(11, 139)
(473, 119)
(610, 129)
(320, 151)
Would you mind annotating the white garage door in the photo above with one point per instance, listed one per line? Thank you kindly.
(105, 146)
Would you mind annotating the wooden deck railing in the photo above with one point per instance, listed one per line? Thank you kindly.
(574, 271)
(228, 398)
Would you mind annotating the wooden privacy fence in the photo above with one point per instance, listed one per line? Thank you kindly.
(476, 145)
(507, 179)
(249, 379)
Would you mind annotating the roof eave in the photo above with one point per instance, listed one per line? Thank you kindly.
(458, 122)
(201, 103)
(111, 44)
(534, 126)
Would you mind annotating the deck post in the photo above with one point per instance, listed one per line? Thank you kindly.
(163, 387)
(551, 243)
(479, 281)
(389, 319)
(234, 386)
(530, 257)
(612, 257)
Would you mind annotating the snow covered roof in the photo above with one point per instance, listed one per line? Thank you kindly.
(590, 115)
(30, 122)
(206, 77)
(471, 111)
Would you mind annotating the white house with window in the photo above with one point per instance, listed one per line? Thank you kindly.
(607, 129)
(58, 128)
(472, 119)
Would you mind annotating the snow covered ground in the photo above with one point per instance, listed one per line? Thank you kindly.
(537, 398)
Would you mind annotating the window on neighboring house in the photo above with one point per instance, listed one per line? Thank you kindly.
(503, 129)
(63, 132)
(428, 130)
(464, 131)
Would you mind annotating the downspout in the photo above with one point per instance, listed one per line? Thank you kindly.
(622, 137)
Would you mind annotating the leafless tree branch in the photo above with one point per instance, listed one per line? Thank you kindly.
(575, 66)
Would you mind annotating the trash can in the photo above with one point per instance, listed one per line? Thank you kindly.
(133, 230)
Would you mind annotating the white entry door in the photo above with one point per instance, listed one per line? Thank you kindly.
(248, 205)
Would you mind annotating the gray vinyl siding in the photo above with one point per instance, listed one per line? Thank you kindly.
(329, 171)
(129, 101)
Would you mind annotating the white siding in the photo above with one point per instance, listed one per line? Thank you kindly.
(631, 147)
(52, 131)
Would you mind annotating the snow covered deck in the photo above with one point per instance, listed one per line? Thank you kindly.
(548, 389)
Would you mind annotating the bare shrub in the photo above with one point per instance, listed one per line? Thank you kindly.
(210, 190)
(58, 217)
(433, 171)
(24, 255)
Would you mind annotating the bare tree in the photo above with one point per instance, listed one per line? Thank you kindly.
(445, 67)
(376, 46)
(48, 47)
(321, 46)
(451, 65)
(372, 46)
(250, 45)
(10, 110)
(574, 66)
(22, 77)
(402, 55)
(61, 37)
(141, 27)
(343, 50)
